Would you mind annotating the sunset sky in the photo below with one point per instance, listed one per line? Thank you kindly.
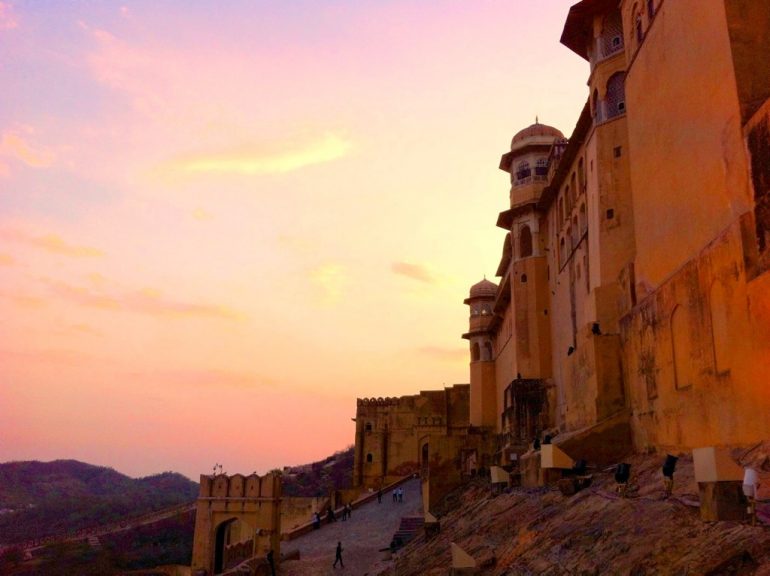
(222, 222)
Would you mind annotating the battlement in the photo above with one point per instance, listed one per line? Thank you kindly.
(389, 401)
(239, 486)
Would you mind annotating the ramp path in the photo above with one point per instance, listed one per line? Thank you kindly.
(370, 529)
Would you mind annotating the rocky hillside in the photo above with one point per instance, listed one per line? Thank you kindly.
(319, 478)
(542, 532)
(38, 499)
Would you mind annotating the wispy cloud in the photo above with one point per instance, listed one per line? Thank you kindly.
(154, 303)
(414, 271)
(8, 19)
(331, 279)
(16, 144)
(23, 300)
(149, 302)
(50, 243)
(249, 162)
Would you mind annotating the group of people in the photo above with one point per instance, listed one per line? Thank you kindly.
(347, 512)
(398, 495)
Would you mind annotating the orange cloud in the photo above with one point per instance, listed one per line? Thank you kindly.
(14, 143)
(6, 260)
(327, 149)
(414, 271)
(23, 300)
(153, 303)
(331, 279)
(148, 302)
(51, 243)
(7, 17)
(82, 296)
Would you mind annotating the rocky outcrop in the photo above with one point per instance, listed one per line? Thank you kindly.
(542, 532)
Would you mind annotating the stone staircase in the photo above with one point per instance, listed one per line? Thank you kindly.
(408, 529)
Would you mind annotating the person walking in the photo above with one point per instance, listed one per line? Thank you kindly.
(338, 556)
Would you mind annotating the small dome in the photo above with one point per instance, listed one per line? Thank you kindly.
(537, 132)
(484, 289)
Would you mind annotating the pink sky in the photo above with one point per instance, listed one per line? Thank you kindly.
(220, 225)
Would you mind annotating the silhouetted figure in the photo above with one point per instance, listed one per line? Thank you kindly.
(338, 556)
(350, 509)
(400, 494)
(271, 562)
(379, 496)
(395, 495)
(316, 520)
(331, 517)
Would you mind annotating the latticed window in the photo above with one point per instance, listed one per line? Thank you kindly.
(616, 95)
(523, 171)
(612, 34)
(541, 169)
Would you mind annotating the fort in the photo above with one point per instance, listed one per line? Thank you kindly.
(631, 311)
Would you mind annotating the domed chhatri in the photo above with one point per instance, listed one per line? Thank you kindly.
(535, 134)
(484, 289)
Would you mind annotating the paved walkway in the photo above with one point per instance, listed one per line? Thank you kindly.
(369, 529)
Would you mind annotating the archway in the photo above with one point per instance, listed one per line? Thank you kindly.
(233, 543)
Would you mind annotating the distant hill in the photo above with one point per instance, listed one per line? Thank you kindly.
(319, 478)
(40, 499)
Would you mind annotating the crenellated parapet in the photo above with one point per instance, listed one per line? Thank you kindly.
(388, 401)
(240, 486)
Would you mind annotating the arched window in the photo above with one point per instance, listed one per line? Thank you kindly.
(582, 219)
(525, 242)
(581, 176)
(638, 27)
(612, 34)
(682, 348)
(561, 251)
(719, 327)
(650, 9)
(487, 351)
(575, 231)
(596, 110)
(475, 352)
(568, 198)
(616, 95)
(574, 189)
(541, 169)
(561, 211)
(571, 238)
(425, 453)
(523, 172)
(369, 457)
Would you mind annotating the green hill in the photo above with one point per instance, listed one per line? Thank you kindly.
(39, 499)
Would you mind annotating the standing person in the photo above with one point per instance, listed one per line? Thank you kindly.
(316, 520)
(379, 496)
(271, 562)
(400, 494)
(338, 556)
(395, 494)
